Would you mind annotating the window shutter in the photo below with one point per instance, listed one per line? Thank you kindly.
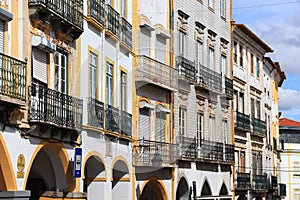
(144, 123)
(160, 126)
(1, 36)
(145, 42)
(39, 59)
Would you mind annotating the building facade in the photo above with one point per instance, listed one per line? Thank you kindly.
(289, 144)
(256, 79)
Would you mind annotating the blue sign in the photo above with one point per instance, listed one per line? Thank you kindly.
(77, 162)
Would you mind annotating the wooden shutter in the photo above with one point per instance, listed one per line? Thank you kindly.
(144, 42)
(160, 125)
(39, 59)
(1, 36)
(144, 123)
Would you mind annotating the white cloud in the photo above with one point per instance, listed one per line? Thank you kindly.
(289, 100)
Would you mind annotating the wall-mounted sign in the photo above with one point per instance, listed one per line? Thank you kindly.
(20, 166)
(77, 162)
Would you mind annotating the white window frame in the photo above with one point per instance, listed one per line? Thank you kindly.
(109, 83)
(212, 128)
(199, 127)
(182, 37)
(93, 74)
(61, 72)
(211, 3)
(182, 121)
(211, 58)
(223, 8)
(123, 91)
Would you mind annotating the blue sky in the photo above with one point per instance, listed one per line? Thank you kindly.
(277, 22)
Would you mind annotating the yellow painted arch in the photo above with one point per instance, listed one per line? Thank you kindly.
(7, 176)
(94, 153)
(158, 186)
(64, 158)
(118, 158)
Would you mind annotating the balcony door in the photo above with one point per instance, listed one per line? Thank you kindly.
(144, 123)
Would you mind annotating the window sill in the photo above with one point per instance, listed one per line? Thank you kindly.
(211, 9)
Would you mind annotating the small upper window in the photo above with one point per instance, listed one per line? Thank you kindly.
(222, 8)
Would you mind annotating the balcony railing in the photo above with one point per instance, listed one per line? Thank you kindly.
(259, 127)
(95, 113)
(96, 10)
(12, 78)
(188, 147)
(209, 79)
(126, 32)
(228, 88)
(274, 182)
(260, 182)
(154, 154)
(155, 72)
(67, 13)
(53, 107)
(113, 21)
(109, 117)
(186, 68)
(242, 121)
(243, 181)
(282, 190)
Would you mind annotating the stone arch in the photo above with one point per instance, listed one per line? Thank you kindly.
(153, 189)
(206, 191)
(182, 192)
(223, 190)
(120, 180)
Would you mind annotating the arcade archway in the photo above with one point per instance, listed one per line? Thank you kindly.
(153, 190)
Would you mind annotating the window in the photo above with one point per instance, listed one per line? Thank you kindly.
(145, 41)
(235, 52)
(199, 127)
(252, 109)
(296, 194)
(211, 3)
(160, 121)
(181, 43)
(198, 54)
(109, 82)
(123, 90)
(61, 67)
(212, 128)
(144, 123)
(254, 164)
(242, 162)
(182, 120)
(2, 30)
(258, 109)
(160, 49)
(257, 67)
(222, 8)
(241, 56)
(224, 65)
(259, 164)
(123, 7)
(93, 75)
(224, 128)
(241, 103)
(251, 64)
(296, 169)
(211, 58)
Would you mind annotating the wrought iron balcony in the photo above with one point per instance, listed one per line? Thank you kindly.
(154, 154)
(215, 151)
(259, 127)
(12, 78)
(188, 147)
(126, 32)
(65, 15)
(228, 88)
(242, 121)
(109, 117)
(55, 108)
(112, 119)
(186, 68)
(209, 79)
(126, 123)
(95, 113)
(113, 20)
(96, 10)
(155, 72)
(282, 189)
(259, 182)
(243, 181)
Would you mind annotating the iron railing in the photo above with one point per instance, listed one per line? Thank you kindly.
(95, 113)
(274, 182)
(148, 69)
(259, 127)
(96, 10)
(242, 121)
(209, 79)
(243, 181)
(188, 147)
(186, 68)
(126, 32)
(282, 189)
(259, 182)
(154, 153)
(53, 107)
(67, 10)
(12, 77)
(229, 88)
(113, 20)
(109, 117)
